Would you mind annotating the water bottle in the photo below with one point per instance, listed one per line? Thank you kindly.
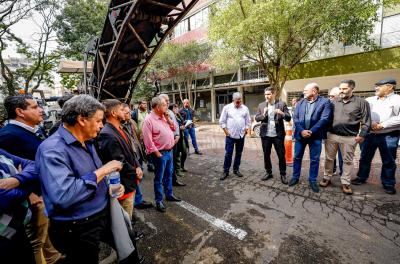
(114, 183)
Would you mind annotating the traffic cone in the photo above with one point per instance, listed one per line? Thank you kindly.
(288, 144)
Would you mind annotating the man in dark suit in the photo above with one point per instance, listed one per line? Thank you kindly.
(114, 144)
(271, 114)
(312, 117)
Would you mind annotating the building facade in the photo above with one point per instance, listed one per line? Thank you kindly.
(213, 90)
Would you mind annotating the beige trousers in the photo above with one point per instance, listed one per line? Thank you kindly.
(347, 146)
(36, 230)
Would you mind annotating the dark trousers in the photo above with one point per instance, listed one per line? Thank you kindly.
(230, 144)
(279, 146)
(18, 249)
(175, 154)
(80, 240)
(192, 132)
(387, 145)
(315, 146)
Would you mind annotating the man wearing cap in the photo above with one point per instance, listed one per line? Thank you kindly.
(384, 134)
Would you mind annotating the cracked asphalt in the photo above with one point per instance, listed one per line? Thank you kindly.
(283, 224)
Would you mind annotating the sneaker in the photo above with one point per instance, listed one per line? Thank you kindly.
(324, 183)
(284, 179)
(314, 187)
(347, 189)
(389, 189)
(198, 152)
(238, 173)
(357, 181)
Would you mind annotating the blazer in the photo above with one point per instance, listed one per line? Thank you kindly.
(321, 118)
(279, 125)
(112, 146)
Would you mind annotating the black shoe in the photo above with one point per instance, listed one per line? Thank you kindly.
(198, 152)
(224, 175)
(314, 187)
(150, 167)
(357, 181)
(237, 173)
(293, 182)
(173, 199)
(284, 179)
(160, 207)
(267, 176)
(184, 170)
(144, 205)
(178, 183)
(389, 189)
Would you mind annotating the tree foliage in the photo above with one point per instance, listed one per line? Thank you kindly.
(182, 62)
(279, 34)
(41, 61)
(78, 23)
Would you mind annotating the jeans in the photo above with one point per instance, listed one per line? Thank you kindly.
(279, 146)
(229, 146)
(192, 132)
(163, 175)
(315, 146)
(387, 145)
(138, 195)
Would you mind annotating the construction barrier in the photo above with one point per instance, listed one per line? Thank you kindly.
(289, 144)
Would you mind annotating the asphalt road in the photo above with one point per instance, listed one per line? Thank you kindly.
(246, 220)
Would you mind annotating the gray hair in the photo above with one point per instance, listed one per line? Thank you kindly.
(156, 101)
(165, 96)
(335, 91)
(236, 96)
(80, 105)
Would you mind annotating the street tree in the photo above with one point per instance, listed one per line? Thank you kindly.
(279, 34)
(78, 22)
(11, 13)
(182, 62)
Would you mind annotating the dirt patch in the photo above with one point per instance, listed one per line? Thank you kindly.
(296, 250)
(389, 208)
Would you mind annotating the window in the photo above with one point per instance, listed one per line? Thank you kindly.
(199, 19)
(181, 28)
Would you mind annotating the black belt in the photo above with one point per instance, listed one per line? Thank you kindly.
(100, 215)
(164, 150)
(395, 133)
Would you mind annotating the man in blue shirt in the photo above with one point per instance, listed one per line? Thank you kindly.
(187, 114)
(312, 117)
(73, 182)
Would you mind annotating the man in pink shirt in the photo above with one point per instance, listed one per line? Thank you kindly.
(158, 136)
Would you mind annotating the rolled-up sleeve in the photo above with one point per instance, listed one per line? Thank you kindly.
(62, 187)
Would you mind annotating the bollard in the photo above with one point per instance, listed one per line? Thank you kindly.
(288, 144)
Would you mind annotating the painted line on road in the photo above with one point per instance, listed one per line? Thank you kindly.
(228, 228)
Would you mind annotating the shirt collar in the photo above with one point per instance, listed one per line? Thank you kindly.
(67, 136)
(25, 126)
(387, 96)
(352, 98)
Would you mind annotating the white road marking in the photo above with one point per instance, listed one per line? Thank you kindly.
(228, 228)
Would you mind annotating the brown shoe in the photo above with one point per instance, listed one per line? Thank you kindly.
(324, 183)
(347, 189)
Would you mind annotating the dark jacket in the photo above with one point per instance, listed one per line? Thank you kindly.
(184, 115)
(19, 142)
(279, 125)
(321, 118)
(112, 146)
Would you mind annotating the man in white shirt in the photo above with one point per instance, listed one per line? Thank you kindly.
(384, 135)
(235, 121)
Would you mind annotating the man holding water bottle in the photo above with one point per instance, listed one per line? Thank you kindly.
(74, 184)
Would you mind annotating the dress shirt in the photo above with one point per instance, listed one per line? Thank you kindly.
(351, 118)
(271, 129)
(173, 118)
(386, 112)
(157, 133)
(309, 111)
(235, 119)
(67, 174)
